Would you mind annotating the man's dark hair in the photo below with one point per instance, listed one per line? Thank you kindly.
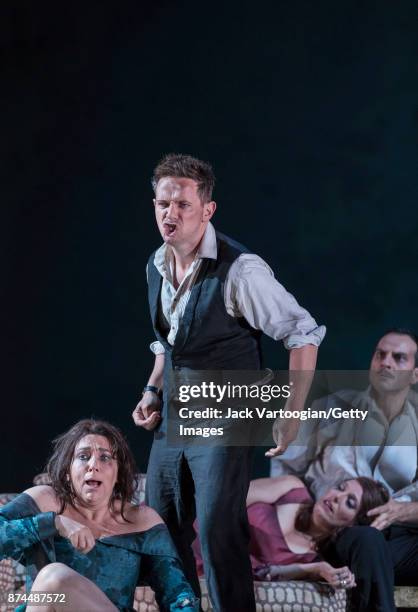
(403, 331)
(186, 166)
(59, 464)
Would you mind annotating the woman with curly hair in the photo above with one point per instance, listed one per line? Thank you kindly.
(289, 531)
(82, 536)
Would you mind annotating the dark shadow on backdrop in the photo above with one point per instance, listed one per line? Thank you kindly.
(308, 112)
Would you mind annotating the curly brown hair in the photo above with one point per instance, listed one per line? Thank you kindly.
(59, 464)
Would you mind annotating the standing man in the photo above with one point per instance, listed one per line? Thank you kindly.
(210, 300)
(385, 447)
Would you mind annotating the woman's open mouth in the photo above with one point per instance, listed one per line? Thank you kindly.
(93, 484)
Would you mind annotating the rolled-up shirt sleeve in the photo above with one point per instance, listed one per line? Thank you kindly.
(157, 348)
(251, 291)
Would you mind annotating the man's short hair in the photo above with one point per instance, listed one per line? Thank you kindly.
(186, 166)
(403, 331)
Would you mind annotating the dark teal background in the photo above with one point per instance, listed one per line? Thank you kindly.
(309, 114)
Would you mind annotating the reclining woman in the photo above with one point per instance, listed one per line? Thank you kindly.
(288, 531)
(81, 535)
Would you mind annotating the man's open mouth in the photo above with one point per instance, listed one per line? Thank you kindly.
(328, 505)
(169, 228)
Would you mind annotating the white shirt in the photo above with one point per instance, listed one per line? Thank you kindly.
(384, 451)
(250, 291)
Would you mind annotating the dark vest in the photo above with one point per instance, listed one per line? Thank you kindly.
(208, 337)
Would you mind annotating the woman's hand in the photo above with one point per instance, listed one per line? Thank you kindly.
(338, 577)
(79, 535)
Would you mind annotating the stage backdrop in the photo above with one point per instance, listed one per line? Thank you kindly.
(308, 112)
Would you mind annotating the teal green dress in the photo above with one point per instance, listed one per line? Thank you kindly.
(117, 564)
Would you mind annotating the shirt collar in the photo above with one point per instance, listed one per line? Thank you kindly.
(408, 408)
(207, 249)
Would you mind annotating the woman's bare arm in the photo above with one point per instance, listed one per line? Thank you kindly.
(268, 490)
(339, 577)
(45, 498)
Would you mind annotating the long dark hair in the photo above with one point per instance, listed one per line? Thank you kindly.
(59, 464)
(374, 494)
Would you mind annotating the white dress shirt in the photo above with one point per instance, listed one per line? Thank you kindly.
(384, 451)
(250, 291)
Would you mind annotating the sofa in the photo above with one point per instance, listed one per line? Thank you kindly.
(286, 596)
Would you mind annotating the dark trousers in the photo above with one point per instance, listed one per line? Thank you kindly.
(210, 483)
(378, 560)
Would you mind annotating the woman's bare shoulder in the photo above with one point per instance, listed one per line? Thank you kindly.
(143, 517)
(45, 498)
(268, 490)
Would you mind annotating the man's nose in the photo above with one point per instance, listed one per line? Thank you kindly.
(171, 210)
(386, 362)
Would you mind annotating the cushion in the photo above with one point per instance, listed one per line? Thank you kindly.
(290, 596)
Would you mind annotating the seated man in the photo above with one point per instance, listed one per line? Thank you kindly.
(387, 551)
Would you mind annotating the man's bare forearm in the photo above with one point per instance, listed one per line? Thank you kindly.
(157, 374)
(302, 363)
